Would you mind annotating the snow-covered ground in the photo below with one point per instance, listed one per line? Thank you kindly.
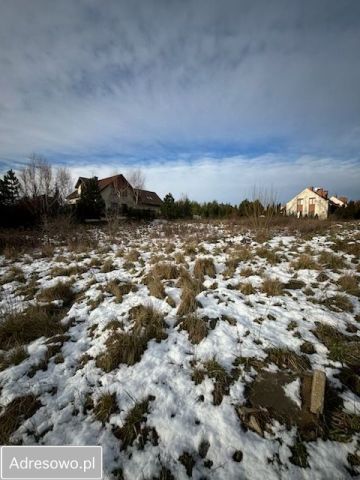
(246, 327)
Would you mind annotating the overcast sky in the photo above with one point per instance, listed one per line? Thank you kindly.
(210, 98)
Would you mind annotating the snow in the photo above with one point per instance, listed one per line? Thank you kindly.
(292, 390)
(165, 369)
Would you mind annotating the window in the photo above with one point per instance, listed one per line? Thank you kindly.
(312, 201)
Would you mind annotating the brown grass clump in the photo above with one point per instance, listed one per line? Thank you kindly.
(268, 254)
(128, 347)
(108, 266)
(132, 256)
(247, 272)
(134, 427)
(222, 379)
(156, 288)
(247, 288)
(188, 303)
(303, 262)
(196, 328)
(285, 358)
(119, 289)
(14, 357)
(338, 303)
(272, 287)
(332, 261)
(68, 271)
(350, 284)
(20, 328)
(14, 414)
(342, 348)
(204, 266)
(61, 291)
(165, 271)
(14, 274)
(105, 407)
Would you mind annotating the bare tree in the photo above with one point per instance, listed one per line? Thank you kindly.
(42, 185)
(136, 179)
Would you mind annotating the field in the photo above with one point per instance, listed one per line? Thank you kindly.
(185, 349)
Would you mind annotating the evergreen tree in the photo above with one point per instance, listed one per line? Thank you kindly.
(91, 203)
(168, 207)
(9, 189)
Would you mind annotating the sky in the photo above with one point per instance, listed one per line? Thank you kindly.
(211, 99)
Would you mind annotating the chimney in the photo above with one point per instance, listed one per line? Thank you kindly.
(311, 188)
(323, 193)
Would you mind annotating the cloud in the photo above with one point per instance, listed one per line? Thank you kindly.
(135, 77)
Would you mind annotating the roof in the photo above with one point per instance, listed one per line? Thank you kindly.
(148, 198)
(73, 195)
(118, 181)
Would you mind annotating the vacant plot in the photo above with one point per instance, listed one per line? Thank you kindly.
(186, 349)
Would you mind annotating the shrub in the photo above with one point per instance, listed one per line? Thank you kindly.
(165, 271)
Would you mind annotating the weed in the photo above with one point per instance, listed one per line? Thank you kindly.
(108, 266)
(247, 288)
(350, 284)
(338, 303)
(332, 261)
(188, 303)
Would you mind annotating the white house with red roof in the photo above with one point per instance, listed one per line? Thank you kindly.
(313, 202)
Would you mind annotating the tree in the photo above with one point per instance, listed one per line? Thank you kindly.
(136, 178)
(9, 189)
(168, 207)
(91, 203)
(44, 187)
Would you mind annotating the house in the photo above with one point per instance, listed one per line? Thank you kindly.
(118, 194)
(314, 202)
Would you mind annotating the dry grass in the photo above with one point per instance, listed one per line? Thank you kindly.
(338, 303)
(268, 254)
(14, 274)
(332, 261)
(108, 266)
(20, 328)
(14, 414)
(272, 287)
(156, 288)
(247, 288)
(196, 327)
(287, 359)
(247, 272)
(61, 291)
(68, 271)
(188, 303)
(342, 348)
(134, 427)
(128, 347)
(105, 407)
(118, 289)
(204, 266)
(350, 284)
(132, 256)
(14, 357)
(164, 271)
(222, 379)
(303, 262)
